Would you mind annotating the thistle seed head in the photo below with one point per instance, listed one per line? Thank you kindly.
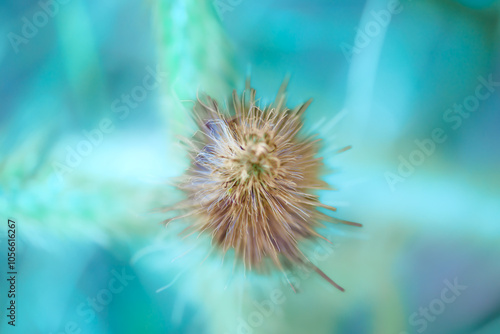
(252, 180)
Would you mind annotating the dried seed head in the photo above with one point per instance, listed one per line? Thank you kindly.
(252, 180)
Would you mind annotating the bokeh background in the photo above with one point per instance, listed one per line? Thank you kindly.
(116, 79)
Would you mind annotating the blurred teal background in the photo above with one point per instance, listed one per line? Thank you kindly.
(95, 94)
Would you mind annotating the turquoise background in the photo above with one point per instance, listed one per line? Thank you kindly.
(86, 233)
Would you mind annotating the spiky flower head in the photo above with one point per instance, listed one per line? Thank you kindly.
(252, 180)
